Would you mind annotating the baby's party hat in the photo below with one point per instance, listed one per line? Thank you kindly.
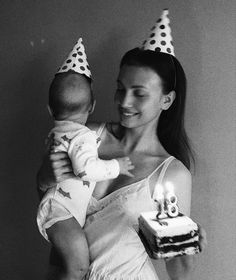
(160, 39)
(76, 61)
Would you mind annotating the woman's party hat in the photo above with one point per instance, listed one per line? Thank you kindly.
(160, 39)
(76, 61)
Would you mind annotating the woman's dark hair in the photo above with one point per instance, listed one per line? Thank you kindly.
(170, 130)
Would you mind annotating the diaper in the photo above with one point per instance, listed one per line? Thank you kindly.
(49, 213)
(69, 199)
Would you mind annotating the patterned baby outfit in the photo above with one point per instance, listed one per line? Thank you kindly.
(116, 250)
(71, 197)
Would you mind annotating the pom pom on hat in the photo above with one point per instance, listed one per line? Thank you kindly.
(76, 61)
(160, 39)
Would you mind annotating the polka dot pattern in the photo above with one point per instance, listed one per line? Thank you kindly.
(76, 60)
(160, 38)
(157, 49)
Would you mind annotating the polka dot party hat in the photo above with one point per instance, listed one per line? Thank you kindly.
(160, 39)
(76, 61)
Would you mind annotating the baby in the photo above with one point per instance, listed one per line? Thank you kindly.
(62, 211)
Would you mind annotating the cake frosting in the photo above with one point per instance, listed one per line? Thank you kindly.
(169, 237)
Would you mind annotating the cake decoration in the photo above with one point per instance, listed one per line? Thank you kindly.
(166, 200)
(160, 199)
(171, 201)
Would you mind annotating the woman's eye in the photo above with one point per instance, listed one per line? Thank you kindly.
(139, 93)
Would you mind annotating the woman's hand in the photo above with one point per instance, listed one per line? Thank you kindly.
(180, 267)
(55, 168)
(202, 238)
(145, 244)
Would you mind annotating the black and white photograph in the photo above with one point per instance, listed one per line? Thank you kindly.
(118, 140)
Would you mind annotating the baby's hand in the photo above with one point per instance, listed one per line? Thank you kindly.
(125, 165)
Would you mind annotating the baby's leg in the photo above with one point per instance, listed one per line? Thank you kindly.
(70, 242)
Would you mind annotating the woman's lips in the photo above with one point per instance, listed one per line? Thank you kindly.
(127, 113)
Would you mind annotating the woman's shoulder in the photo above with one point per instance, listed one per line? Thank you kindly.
(177, 169)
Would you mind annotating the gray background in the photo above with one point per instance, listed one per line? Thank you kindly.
(36, 36)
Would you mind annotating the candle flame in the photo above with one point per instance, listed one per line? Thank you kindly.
(169, 187)
(158, 192)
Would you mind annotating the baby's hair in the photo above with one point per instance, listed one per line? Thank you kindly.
(63, 101)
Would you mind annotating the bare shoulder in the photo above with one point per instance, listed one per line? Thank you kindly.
(181, 179)
(177, 171)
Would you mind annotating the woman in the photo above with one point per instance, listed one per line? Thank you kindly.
(150, 97)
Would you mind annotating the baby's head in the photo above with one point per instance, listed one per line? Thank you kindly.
(71, 97)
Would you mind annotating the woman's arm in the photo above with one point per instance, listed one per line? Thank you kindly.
(179, 268)
(55, 168)
(181, 179)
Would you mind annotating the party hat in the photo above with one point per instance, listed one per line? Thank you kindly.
(76, 61)
(160, 39)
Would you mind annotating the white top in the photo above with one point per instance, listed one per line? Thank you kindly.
(116, 251)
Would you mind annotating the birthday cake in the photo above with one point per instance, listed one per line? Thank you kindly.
(171, 236)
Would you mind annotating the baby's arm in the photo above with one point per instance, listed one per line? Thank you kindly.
(87, 165)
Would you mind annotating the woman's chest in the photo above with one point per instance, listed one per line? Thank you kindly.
(124, 204)
(144, 165)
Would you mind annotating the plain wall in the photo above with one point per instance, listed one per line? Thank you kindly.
(35, 38)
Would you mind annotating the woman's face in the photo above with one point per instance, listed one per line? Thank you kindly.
(138, 96)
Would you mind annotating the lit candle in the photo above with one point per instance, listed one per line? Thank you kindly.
(158, 196)
(171, 200)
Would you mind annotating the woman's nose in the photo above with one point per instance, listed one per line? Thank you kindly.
(126, 101)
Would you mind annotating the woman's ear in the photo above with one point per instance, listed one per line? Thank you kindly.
(92, 107)
(167, 100)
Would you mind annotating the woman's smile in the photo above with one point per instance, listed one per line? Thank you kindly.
(127, 113)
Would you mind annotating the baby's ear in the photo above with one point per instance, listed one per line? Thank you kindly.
(92, 107)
